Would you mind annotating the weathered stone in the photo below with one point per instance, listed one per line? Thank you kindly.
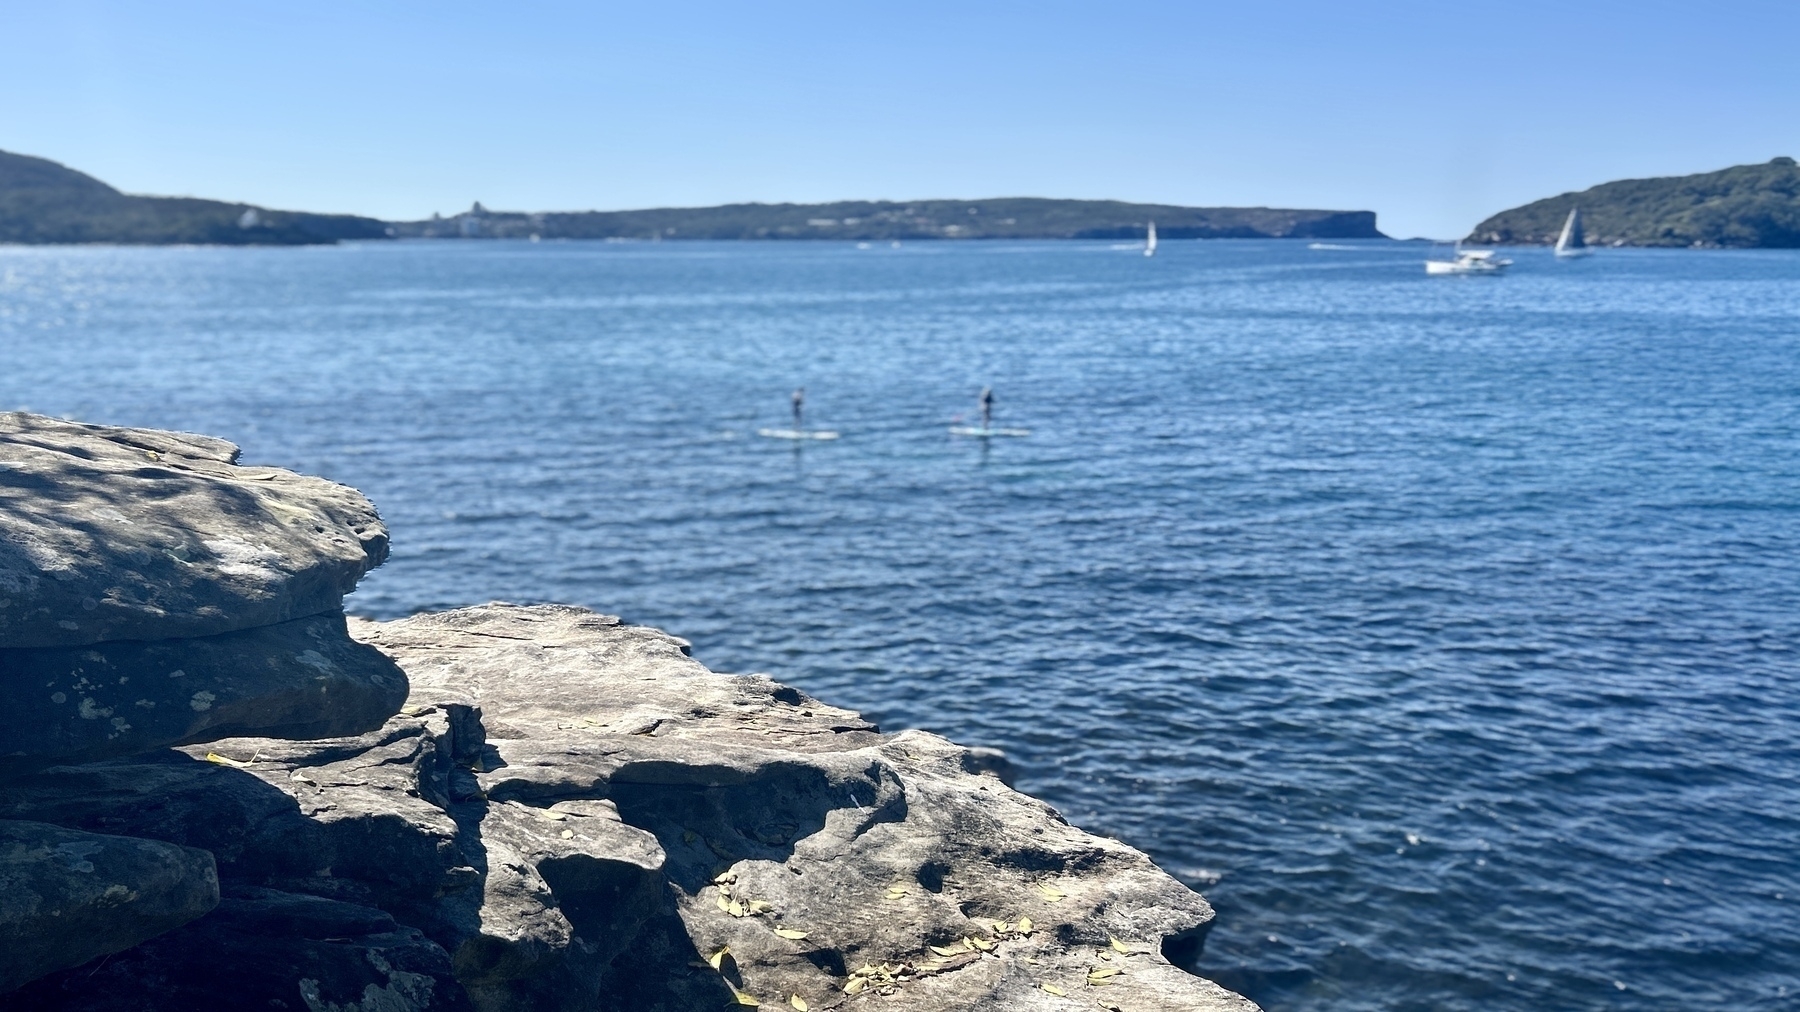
(67, 896)
(382, 837)
(777, 813)
(264, 949)
(299, 679)
(119, 534)
(582, 816)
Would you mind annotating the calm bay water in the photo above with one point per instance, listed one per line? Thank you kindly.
(1442, 631)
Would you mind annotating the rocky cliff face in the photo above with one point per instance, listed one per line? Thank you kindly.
(565, 813)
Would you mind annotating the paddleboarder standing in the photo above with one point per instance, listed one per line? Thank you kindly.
(987, 407)
(799, 402)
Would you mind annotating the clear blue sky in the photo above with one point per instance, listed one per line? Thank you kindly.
(1433, 114)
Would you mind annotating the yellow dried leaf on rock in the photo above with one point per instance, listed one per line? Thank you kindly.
(724, 901)
(717, 959)
(1050, 893)
(895, 892)
(759, 906)
(214, 757)
(790, 933)
(745, 999)
(856, 984)
(1117, 945)
(945, 950)
(1103, 972)
(1024, 925)
(1053, 989)
(736, 909)
(1001, 927)
(798, 1002)
(724, 877)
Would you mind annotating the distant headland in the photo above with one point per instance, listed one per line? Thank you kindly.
(44, 202)
(884, 220)
(1743, 206)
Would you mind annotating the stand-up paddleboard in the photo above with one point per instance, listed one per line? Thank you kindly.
(976, 430)
(796, 433)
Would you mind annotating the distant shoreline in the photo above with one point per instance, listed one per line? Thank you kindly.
(43, 202)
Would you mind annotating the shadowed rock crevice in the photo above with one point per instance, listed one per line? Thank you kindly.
(705, 829)
(263, 949)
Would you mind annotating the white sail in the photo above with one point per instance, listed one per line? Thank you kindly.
(1150, 241)
(1572, 243)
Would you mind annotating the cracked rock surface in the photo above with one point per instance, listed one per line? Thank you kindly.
(110, 533)
(574, 814)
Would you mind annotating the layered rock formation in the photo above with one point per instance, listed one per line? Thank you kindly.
(570, 813)
(153, 593)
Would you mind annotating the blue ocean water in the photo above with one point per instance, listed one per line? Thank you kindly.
(1441, 630)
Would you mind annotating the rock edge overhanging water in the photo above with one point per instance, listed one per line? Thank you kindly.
(497, 807)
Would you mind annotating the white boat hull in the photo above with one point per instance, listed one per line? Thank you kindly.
(1469, 262)
(1458, 267)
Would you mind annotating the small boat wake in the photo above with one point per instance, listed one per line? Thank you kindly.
(984, 433)
(796, 433)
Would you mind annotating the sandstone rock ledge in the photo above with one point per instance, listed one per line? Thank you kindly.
(571, 813)
(218, 793)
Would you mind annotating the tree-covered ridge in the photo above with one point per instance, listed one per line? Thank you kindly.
(1743, 206)
(1003, 218)
(44, 202)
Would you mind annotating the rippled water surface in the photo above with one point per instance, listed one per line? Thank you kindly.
(1442, 631)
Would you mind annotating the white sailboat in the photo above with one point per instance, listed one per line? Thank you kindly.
(1572, 243)
(1150, 241)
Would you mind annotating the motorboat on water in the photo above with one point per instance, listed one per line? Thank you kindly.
(1572, 242)
(1469, 261)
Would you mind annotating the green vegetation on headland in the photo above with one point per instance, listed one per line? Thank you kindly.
(881, 221)
(1743, 206)
(43, 202)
